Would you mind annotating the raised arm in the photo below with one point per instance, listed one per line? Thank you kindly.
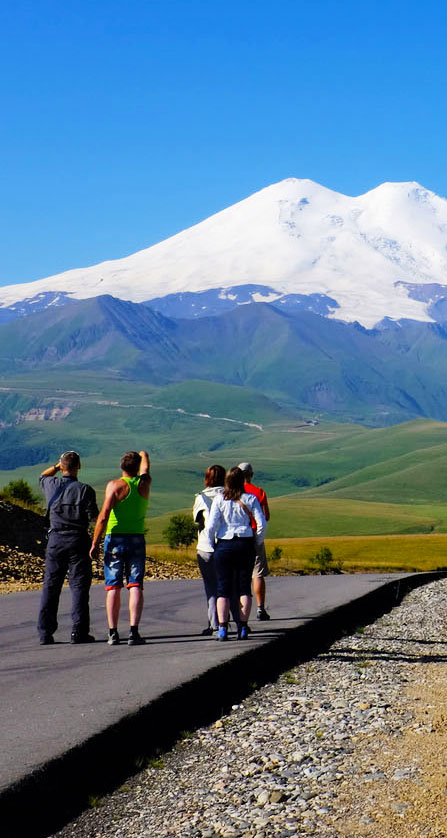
(145, 476)
(51, 470)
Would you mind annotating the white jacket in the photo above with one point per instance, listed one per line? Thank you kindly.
(228, 519)
(202, 503)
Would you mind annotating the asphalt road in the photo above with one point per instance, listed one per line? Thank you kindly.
(56, 698)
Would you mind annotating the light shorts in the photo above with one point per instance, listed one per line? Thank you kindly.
(124, 555)
(261, 567)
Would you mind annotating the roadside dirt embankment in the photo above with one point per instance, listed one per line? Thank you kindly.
(23, 535)
(22, 546)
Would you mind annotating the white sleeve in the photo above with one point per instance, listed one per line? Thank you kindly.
(214, 519)
(199, 506)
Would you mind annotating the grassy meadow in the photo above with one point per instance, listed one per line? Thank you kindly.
(379, 495)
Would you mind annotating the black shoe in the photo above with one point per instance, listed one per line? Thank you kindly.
(81, 638)
(46, 640)
(262, 614)
(135, 639)
(206, 632)
(114, 638)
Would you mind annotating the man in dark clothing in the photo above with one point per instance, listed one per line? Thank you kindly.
(71, 506)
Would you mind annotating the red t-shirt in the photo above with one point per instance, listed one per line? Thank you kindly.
(262, 498)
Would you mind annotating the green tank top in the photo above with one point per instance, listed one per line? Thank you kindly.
(128, 516)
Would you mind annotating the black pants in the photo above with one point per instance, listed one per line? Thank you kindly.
(67, 552)
(234, 561)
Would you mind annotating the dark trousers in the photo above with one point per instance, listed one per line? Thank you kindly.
(234, 560)
(208, 571)
(67, 552)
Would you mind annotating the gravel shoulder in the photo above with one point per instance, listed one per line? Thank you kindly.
(352, 744)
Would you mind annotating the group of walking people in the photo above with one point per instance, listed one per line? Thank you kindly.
(231, 515)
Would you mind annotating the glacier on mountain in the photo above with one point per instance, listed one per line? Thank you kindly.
(371, 255)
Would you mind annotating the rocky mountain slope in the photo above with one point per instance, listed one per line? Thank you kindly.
(299, 359)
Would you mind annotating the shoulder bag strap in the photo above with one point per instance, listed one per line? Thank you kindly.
(249, 513)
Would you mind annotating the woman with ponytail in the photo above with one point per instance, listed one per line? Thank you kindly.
(229, 526)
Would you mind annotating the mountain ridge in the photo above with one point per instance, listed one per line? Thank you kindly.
(300, 359)
(373, 254)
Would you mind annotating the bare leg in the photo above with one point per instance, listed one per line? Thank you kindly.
(136, 602)
(259, 590)
(113, 603)
(223, 609)
(245, 608)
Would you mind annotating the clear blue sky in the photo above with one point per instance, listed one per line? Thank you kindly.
(125, 121)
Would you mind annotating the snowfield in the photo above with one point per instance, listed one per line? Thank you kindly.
(372, 253)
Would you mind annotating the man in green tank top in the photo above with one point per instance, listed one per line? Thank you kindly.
(122, 518)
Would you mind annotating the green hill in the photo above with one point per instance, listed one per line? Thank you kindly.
(324, 478)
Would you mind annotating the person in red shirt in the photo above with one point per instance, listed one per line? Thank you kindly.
(261, 569)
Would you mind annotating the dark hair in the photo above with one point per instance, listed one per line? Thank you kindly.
(214, 476)
(70, 460)
(234, 484)
(130, 463)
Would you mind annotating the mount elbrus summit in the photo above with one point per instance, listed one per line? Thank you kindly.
(353, 314)
(382, 254)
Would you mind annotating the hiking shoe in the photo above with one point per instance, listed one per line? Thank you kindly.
(81, 638)
(113, 638)
(262, 614)
(242, 633)
(135, 639)
(46, 640)
(222, 633)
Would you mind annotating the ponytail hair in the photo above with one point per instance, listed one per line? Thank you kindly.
(234, 484)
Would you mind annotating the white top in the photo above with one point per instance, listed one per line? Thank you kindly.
(228, 518)
(202, 503)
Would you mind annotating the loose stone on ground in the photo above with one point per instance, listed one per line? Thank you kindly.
(352, 744)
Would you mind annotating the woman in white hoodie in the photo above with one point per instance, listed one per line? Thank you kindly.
(214, 485)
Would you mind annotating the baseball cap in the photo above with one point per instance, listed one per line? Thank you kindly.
(246, 467)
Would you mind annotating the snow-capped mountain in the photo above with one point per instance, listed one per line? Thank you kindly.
(381, 254)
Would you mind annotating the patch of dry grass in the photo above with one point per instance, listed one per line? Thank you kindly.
(368, 554)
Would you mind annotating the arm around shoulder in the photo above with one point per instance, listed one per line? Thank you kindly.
(258, 515)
